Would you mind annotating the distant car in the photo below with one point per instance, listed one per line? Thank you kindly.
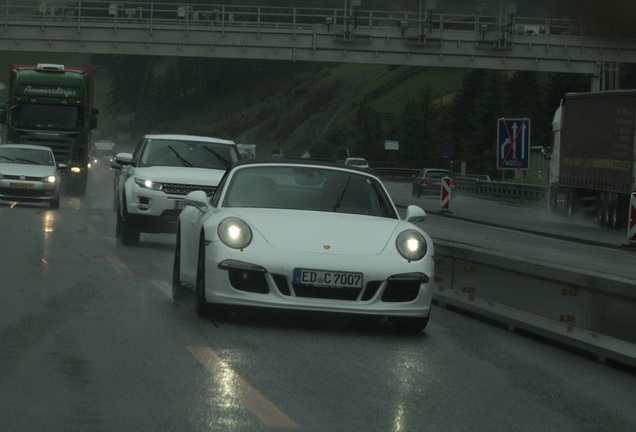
(429, 181)
(157, 176)
(29, 173)
(357, 162)
(305, 235)
(102, 151)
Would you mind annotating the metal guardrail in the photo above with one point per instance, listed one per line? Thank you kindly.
(491, 188)
(478, 185)
(578, 308)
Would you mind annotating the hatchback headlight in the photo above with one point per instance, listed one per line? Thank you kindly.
(234, 233)
(149, 184)
(49, 179)
(411, 245)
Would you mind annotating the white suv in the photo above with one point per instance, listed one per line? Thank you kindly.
(157, 176)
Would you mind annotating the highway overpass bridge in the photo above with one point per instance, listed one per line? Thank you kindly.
(420, 37)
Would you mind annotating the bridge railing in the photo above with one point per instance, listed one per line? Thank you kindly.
(361, 23)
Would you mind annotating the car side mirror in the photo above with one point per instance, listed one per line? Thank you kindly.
(415, 214)
(198, 199)
(124, 158)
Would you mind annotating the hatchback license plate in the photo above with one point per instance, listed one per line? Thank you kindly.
(22, 185)
(328, 278)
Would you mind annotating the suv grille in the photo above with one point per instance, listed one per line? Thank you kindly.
(184, 189)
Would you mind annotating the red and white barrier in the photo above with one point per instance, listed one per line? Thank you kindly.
(631, 231)
(445, 196)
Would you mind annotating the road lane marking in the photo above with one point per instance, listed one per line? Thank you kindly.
(119, 266)
(251, 399)
(164, 287)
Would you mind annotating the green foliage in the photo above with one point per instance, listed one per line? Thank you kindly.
(321, 108)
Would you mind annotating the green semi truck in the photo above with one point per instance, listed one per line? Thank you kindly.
(52, 105)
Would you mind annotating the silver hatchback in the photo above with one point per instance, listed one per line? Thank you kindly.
(29, 173)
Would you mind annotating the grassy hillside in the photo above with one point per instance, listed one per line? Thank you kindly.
(294, 107)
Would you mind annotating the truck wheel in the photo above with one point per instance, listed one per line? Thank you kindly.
(612, 211)
(552, 199)
(601, 209)
(622, 211)
(569, 204)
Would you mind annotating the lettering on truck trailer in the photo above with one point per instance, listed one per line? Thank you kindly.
(50, 91)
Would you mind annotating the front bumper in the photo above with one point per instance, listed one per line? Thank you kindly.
(35, 191)
(407, 291)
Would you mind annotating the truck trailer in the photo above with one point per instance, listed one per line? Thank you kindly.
(52, 105)
(591, 152)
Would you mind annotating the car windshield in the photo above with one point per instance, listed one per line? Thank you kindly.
(26, 156)
(358, 162)
(178, 153)
(307, 188)
(437, 174)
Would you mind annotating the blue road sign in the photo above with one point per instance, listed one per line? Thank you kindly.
(513, 144)
(446, 150)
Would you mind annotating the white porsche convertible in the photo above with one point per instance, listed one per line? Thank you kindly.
(307, 236)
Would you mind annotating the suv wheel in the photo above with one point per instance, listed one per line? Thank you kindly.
(127, 229)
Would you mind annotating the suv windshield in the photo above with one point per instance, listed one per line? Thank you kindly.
(197, 154)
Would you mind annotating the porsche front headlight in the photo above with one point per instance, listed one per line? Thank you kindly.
(234, 233)
(411, 245)
(149, 184)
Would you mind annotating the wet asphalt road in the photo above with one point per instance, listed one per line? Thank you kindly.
(90, 340)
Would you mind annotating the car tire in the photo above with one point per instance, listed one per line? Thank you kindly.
(126, 230)
(115, 201)
(200, 302)
(55, 203)
(176, 268)
(410, 325)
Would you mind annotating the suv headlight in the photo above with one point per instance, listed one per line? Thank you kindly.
(149, 184)
(411, 245)
(234, 233)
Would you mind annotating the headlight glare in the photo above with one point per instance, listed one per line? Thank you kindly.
(76, 170)
(49, 179)
(234, 233)
(149, 184)
(412, 245)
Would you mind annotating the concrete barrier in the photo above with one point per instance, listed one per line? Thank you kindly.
(590, 311)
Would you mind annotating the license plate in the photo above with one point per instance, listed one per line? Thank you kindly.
(22, 185)
(328, 278)
(178, 205)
